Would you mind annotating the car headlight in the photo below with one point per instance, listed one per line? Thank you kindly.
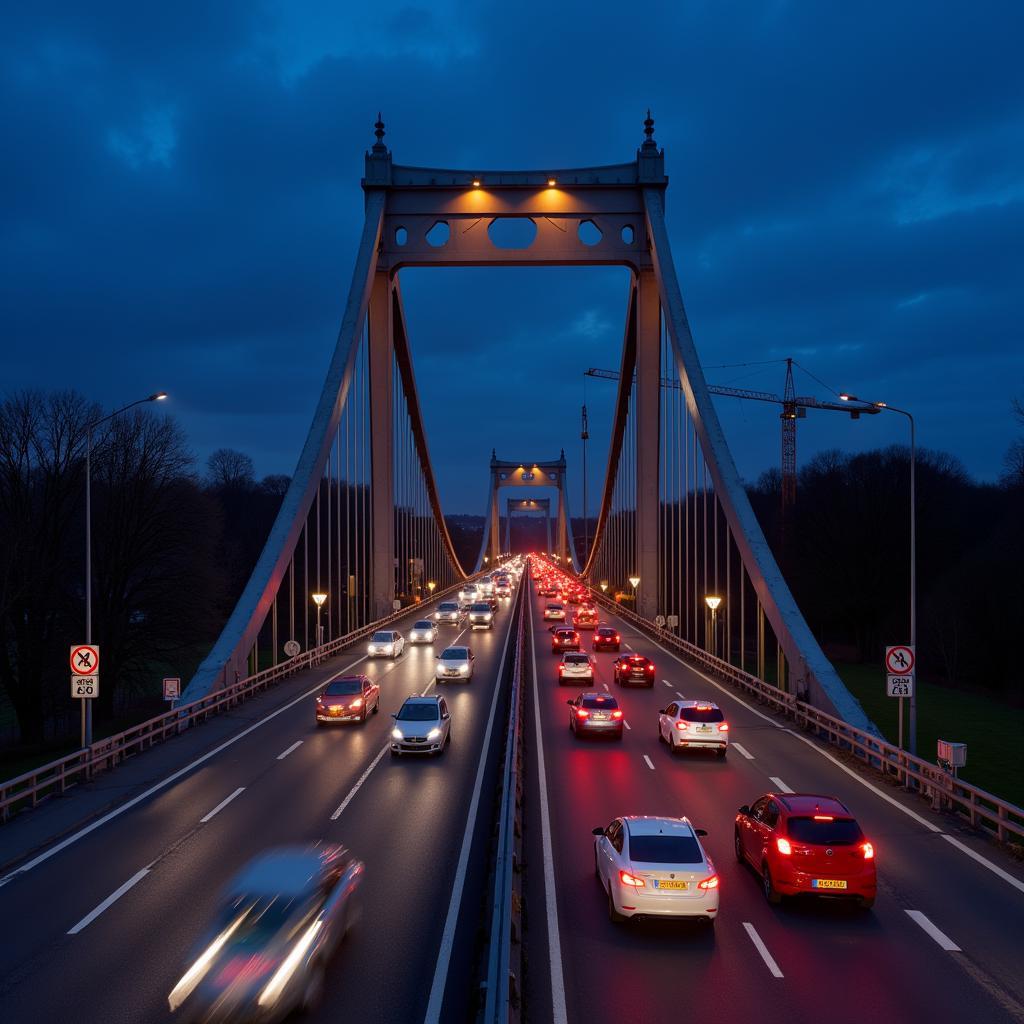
(437, 615)
(464, 669)
(388, 648)
(396, 734)
(487, 617)
(433, 734)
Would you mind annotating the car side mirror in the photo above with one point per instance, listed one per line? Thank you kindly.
(661, 711)
(598, 831)
(744, 810)
(701, 832)
(569, 702)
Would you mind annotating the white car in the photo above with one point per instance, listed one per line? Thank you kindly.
(469, 593)
(655, 867)
(449, 612)
(554, 612)
(694, 724)
(481, 616)
(423, 632)
(575, 667)
(422, 726)
(386, 643)
(486, 586)
(454, 663)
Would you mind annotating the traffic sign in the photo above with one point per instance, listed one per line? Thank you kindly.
(172, 687)
(673, 621)
(86, 687)
(292, 647)
(85, 659)
(899, 686)
(659, 621)
(899, 660)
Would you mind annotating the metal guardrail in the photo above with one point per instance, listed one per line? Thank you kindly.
(28, 790)
(501, 999)
(984, 810)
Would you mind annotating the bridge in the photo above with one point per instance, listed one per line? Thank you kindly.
(479, 899)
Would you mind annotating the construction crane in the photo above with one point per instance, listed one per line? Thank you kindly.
(794, 407)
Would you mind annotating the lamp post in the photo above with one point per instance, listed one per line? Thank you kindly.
(604, 586)
(635, 581)
(713, 601)
(912, 745)
(157, 396)
(318, 600)
(430, 586)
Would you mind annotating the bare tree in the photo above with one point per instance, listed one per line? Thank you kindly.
(227, 469)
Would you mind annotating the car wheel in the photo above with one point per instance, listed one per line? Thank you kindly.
(737, 845)
(867, 902)
(721, 753)
(597, 868)
(768, 887)
(394, 753)
(448, 740)
(613, 915)
(661, 739)
(376, 707)
(362, 717)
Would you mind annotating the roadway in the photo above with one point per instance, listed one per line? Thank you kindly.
(101, 930)
(801, 961)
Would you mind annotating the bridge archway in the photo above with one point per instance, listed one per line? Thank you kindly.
(528, 507)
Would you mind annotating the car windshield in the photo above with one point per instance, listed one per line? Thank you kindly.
(838, 832)
(604, 703)
(344, 687)
(605, 631)
(480, 607)
(382, 638)
(264, 917)
(701, 715)
(554, 607)
(576, 659)
(664, 849)
(422, 624)
(418, 713)
(448, 606)
(454, 654)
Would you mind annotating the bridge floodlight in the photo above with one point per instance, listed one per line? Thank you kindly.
(476, 183)
(318, 599)
(552, 183)
(712, 601)
(635, 580)
(604, 586)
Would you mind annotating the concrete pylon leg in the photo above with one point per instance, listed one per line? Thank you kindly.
(547, 529)
(382, 349)
(494, 539)
(563, 541)
(647, 413)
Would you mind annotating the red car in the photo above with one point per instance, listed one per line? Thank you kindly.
(633, 668)
(606, 638)
(348, 699)
(585, 618)
(564, 640)
(802, 843)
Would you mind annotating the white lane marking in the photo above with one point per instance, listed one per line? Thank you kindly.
(743, 750)
(985, 862)
(778, 782)
(650, 763)
(667, 683)
(444, 953)
(628, 648)
(605, 685)
(220, 807)
(174, 776)
(627, 725)
(939, 936)
(679, 695)
(763, 950)
(558, 1011)
(285, 753)
(359, 782)
(111, 899)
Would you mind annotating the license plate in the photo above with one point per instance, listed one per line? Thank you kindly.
(337, 711)
(663, 883)
(453, 672)
(638, 673)
(600, 717)
(828, 883)
(704, 728)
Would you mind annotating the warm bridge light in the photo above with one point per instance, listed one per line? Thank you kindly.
(318, 599)
(712, 601)
(552, 183)
(476, 183)
(635, 580)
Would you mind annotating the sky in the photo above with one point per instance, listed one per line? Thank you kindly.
(180, 207)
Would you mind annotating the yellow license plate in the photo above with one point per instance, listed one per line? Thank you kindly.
(662, 883)
(337, 711)
(828, 883)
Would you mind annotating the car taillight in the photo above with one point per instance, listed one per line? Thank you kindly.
(724, 727)
(582, 713)
(708, 883)
(561, 669)
(650, 668)
(617, 638)
(682, 725)
(783, 846)
(627, 879)
(616, 714)
(869, 851)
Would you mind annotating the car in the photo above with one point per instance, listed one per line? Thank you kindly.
(575, 667)
(606, 638)
(694, 724)
(276, 926)
(454, 663)
(423, 632)
(347, 699)
(387, 643)
(486, 585)
(449, 612)
(481, 615)
(503, 590)
(547, 590)
(553, 611)
(655, 867)
(574, 596)
(585, 618)
(564, 639)
(595, 714)
(422, 726)
(803, 843)
(633, 668)
(469, 593)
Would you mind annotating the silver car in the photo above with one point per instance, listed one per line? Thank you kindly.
(422, 726)
(423, 632)
(266, 953)
(449, 612)
(469, 593)
(454, 663)
(481, 616)
(694, 725)
(575, 667)
(386, 643)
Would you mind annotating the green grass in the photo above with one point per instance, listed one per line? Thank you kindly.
(993, 731)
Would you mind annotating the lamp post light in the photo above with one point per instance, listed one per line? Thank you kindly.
(635, 581)
(430, 586)
(604, 586)
(157, 396)
(912, 744)
(713, 601)
(318, 600)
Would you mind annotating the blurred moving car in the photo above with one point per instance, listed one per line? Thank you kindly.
(585, 618)
(348, 699)
(279, 922)
(454, 663)
(386, 643)
(575, 667)
(423, 632)
(422, 726)
(595, 714)
(449, 612)
(633, 668)
(606, 638)
(694, 724)
(655, 867)
(803, 843)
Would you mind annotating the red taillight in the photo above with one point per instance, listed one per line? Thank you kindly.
(682, 725)
(869, 851)
(561, 669)
(617, 638)
(783, 846)
(650, 668)
(616, 714)
(709, 883)
(582, 713)
(724, 727)
(627, 879)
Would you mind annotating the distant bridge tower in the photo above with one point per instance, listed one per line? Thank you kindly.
(527, 506)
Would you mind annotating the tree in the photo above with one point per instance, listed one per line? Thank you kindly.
(230, 470)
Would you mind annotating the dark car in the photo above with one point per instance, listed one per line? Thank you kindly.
(606, 638)
(633, 669)
(596, 714)
(348, 699)
(564, 639)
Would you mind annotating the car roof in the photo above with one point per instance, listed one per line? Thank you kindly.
(811, 803)
(421, 700)
(649, 825)
(697, 704)
(451, 651)
(422, 622)
(288, 871)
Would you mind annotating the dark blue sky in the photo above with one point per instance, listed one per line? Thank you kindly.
(180, 202)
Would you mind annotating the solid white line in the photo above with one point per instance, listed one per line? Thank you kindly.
(359, 782)
(285, 753)
(763, 950)
(220, 807)
(444, 953)
(985, 862)
(605, 685)
(111, 899)
(627, 725)
(650, 763)
(779, 783)
(940, 937)
(559, 1014)
(743, 750)
(174, 776)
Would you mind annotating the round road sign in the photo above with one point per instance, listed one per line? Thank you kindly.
(85, 659)
(899, 660)
(291, 648)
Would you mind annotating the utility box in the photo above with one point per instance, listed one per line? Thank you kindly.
(952, 754)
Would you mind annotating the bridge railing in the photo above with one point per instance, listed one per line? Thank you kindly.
(984, 810)
(56, 777)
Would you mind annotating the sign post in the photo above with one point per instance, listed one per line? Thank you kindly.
(899, 679)
(172, 689)
(85, 679)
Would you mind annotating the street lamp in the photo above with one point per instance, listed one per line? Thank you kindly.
(318, 600)
(430, 586)
(713, 601)
(635, 580)
(604, 586)
(157, 396)
(846, 397)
